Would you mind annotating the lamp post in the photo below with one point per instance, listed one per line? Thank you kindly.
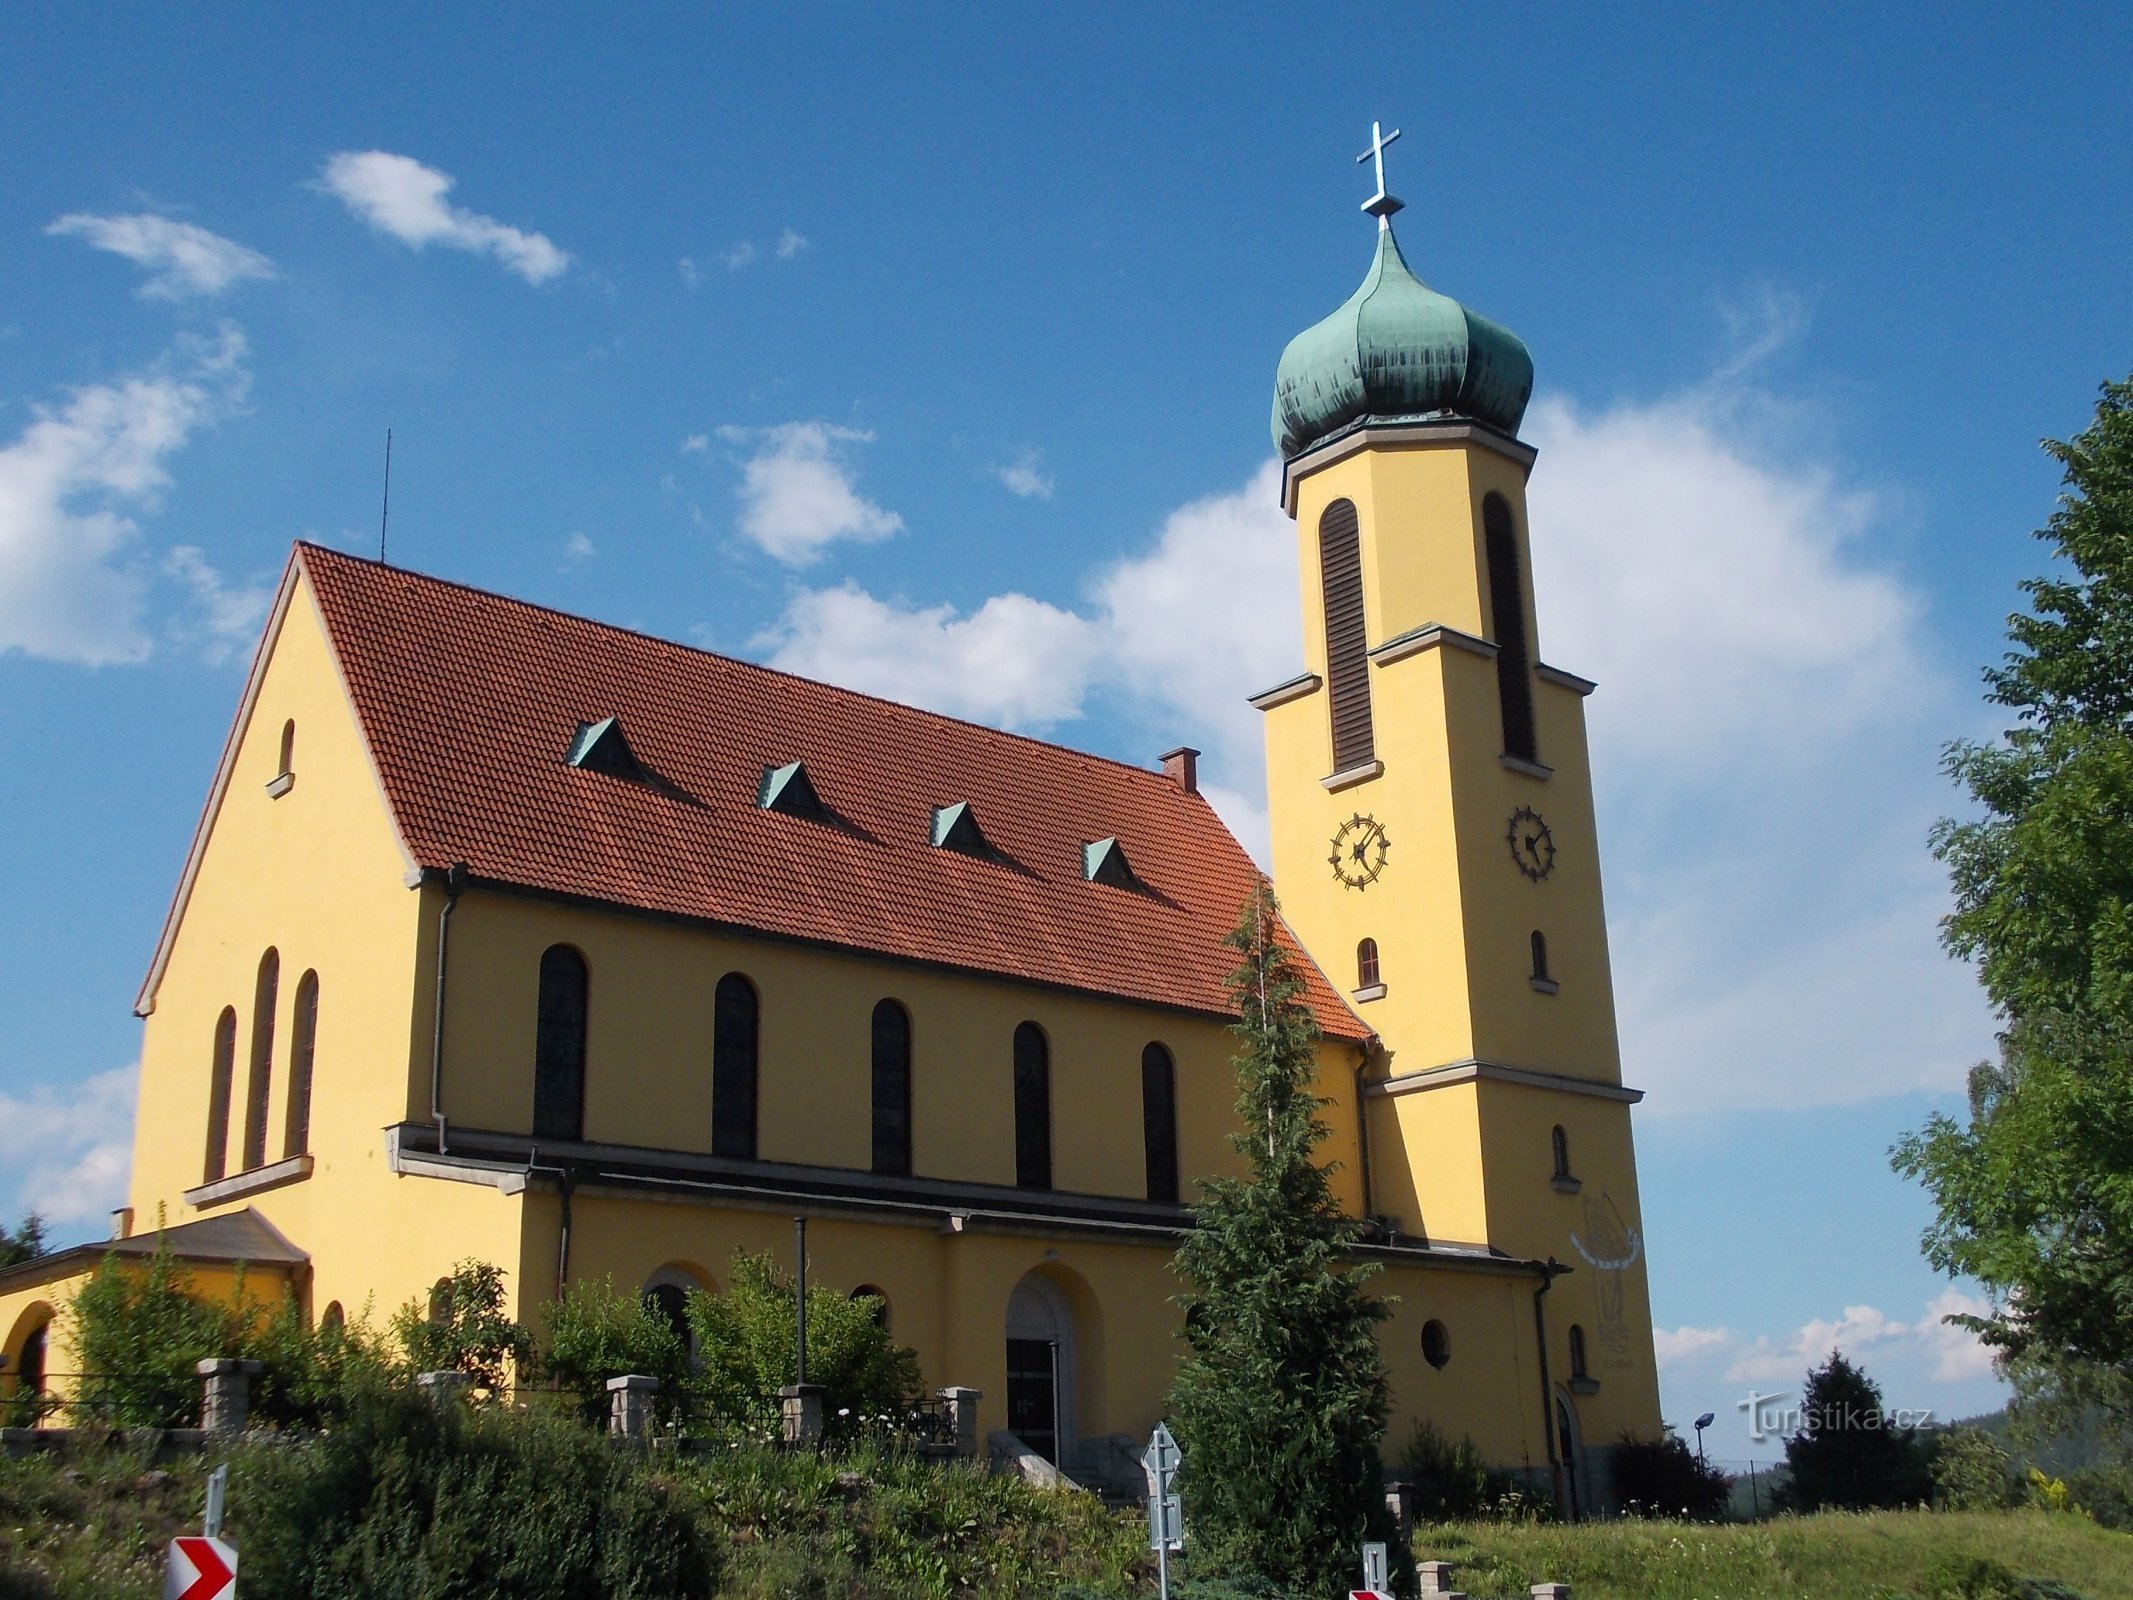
(1702, 1423)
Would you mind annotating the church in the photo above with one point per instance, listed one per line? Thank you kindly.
(510, 935)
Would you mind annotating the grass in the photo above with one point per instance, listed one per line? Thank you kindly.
(1832, 1556)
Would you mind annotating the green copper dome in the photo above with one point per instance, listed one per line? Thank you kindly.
(1397, 349)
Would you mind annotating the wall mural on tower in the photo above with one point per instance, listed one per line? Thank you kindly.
(1610, 1247)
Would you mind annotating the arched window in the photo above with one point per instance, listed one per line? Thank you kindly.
(1033, 1108)
(879, 1310)
(333, 1319)
(288, 747)
(892, 1089)
(1561, 1144)
(264, 997)
(303, 1045)
(559, 1047)
(1577, 1352)
(1540, 956)
(671, 1302)
(1436, 1343)
(218, 1096)
(1366, 964)
(1507, 609)
(29, 1370)
(1340, 563)
(1159, 1123)
(733, 1068)
(441, 1302)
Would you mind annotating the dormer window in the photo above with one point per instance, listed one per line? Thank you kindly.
(600, 747)
(956, 828)
(789, 790)
(1104, 861)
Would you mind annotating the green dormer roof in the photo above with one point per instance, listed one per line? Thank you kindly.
(1398, 350)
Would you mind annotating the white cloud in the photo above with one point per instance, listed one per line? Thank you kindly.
(578, 548)
(69, 587)
(1024, 478)
(1014, 662)
(686, 266)
(399, 196)
(1954, 1353)
(224, 615)
(790, 244)
(1675, 1345)
(740, 255)
(183, 260)
(72, 1146)
(696, 443)
(796, 491)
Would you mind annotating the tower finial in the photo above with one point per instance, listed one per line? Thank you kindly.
(1380, 205)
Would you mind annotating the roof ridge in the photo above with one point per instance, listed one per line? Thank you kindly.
(307, 547)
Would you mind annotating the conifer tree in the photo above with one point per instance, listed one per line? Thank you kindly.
(1281, 1401)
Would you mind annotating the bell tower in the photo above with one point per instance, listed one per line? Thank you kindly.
(1432, 813)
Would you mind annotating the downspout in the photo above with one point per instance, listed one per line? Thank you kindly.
(564, 1184)
(1362, 1134)
(1550, 1270)
(454, 881)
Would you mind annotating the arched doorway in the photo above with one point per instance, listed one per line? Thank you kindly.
(1571, 1449)
(1040, 1368)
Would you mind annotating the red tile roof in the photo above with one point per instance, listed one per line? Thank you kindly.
(469, 701)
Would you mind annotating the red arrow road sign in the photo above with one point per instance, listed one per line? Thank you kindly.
(201, 1569)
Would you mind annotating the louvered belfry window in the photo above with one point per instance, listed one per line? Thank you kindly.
(1507, 609)
(1340, 560)
(559, 1046)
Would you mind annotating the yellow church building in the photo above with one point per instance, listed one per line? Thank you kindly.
(510, 935)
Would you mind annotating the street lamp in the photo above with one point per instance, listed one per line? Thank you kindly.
(1702, 1423)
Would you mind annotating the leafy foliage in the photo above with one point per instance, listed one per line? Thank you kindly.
(25, 1243)
(310, 1376)
(745, 1347)
(408, 1500)
(2035, 1193)
(1971, 1471)
(597, 1332)
(1850, 1455)
(1281, 1399)
(139, 1333)
(1663, 1477)
(464, 1328)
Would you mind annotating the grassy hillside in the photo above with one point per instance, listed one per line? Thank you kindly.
(1832, 1556)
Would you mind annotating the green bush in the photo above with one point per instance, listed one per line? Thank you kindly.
(744, 1350)
(1663, 1478)
(1970, 1577)
(596, 1332)
(1850, 1455)
(138, 1335)
(1451, 1482)
(464, 1329)
(408, 1500)
(1971, 1472)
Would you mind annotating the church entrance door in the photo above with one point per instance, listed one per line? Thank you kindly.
(1040, 1369)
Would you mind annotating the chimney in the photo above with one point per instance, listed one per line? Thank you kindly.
(122, 1223)
(1182, 767)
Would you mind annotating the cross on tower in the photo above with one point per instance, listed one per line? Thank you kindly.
(1380, 205)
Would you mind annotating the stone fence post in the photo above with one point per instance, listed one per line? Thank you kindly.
(1551, 1591)
(443, 1388)
(800, 1410)
(963, 1418)
(226, 1393)
(629, 1405)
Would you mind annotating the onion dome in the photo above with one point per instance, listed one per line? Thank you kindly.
(1398, 351)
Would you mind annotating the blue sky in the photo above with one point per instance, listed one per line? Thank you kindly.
(933, 351)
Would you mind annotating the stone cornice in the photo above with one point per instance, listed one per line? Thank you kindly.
(1414, 433)
(1471, 1071)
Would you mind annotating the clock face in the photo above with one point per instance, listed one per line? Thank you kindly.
(1532, 845)
(1359, 851)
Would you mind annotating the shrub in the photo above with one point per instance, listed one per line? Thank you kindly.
(1850, 1455)
(744, 1345)
(1451, 1483)
(310, 1376)
(464, 1328)
(408, 1500)
(1971, 1472)
(138, 1334)
(1663, 1478)
(596, 1332)
(1970, 1577)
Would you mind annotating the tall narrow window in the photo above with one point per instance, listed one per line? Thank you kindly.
(1560, 1143)
(1507, 609)
(1340, 561)
(733, 1069)
(892, 1089)
(288, 747)
(1540, 956)
(218, 1096)
(559, 1047)
(1578, 1369)
(1159, 1122)
(303, 1045)
(265, 994)
(1033, 1108)
(1366, 964)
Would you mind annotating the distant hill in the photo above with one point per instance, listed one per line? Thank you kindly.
(2070, 1451)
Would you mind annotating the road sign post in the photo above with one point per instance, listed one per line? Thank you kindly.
(1166, 1519)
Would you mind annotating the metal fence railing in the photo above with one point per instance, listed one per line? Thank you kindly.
(104, 1400)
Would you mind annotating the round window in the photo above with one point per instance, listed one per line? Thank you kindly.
(1436, 1343)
